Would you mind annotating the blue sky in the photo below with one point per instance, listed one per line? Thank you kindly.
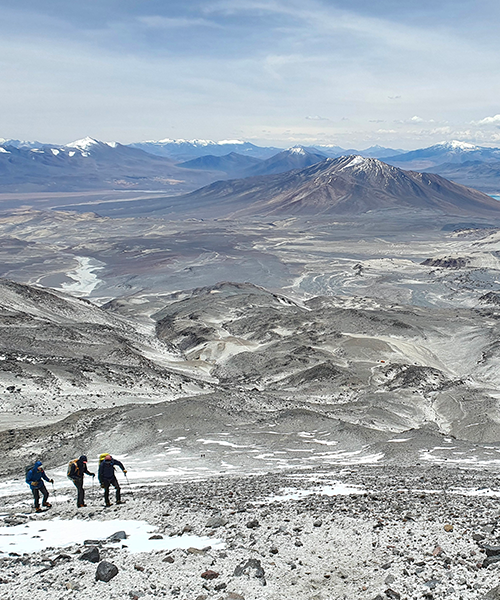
(397, 73)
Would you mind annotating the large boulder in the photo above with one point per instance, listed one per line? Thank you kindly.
(106, 571)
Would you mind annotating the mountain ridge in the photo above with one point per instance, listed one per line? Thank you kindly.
(346, 185)
(444, 152)
(89, 164)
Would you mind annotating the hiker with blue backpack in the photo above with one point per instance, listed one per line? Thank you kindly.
(34, 478)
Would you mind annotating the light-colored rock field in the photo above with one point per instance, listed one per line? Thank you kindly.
(324, 534)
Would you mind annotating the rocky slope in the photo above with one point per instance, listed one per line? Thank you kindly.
(370, 533)
(359, 373)
(395, 368)
(59, 354)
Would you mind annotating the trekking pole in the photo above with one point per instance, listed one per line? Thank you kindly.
(131, 492)
(53, 490)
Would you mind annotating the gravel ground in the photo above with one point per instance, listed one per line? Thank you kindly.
(411, 533)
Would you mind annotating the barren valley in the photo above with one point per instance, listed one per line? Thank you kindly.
(303, 402)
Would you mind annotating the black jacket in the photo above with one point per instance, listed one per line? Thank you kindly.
(107, 469)
(78, 469)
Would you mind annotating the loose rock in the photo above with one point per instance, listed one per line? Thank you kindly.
(106, 571)
(92, 555)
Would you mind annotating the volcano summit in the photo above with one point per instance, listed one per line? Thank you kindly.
(348, 185)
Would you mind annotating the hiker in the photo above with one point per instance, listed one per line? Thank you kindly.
(107, 477)
(76, 471)
(34, 478)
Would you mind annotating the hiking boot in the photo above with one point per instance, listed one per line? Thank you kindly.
(38, 509)
(107, 504)
(120, 502)
(47, 504)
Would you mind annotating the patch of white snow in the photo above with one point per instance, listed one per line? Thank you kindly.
(57, 533)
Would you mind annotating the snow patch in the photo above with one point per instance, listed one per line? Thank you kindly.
(356, 160)
(336, 488)
(223, 142)
(196, 143)
(83, 144)
(456, 145)
(297, 150)
(57, 533)
(221, 443)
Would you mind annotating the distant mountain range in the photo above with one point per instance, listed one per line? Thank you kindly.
(181, 166)
(184, 150)
(371, 152)
(484, 176)
(342, 186)
(229, 165)
(89, 164)
(288, 160)
(236, 165)
(447, 152)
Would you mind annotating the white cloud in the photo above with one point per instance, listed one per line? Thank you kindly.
(414, 121)
(316, 118)
(231, 68)
(446, 130)
(488, 121)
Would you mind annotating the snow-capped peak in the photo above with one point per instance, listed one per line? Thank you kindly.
(357, 160)
(183, 141)
(196, 142)
(19, 143)
(456, 145)
(352, 161)
(297, 150)
(84, 144)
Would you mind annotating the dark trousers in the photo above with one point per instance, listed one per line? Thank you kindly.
(80, 498)
(40, 489)
(106, 483)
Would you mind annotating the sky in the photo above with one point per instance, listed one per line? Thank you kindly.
(398, 73)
